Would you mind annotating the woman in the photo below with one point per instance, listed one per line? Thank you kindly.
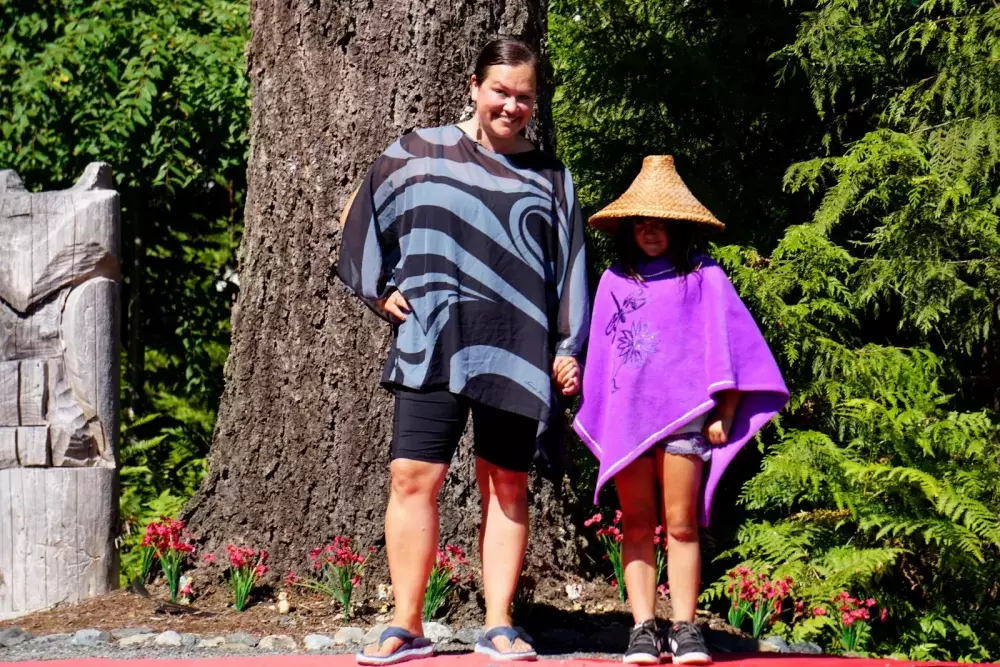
(469, 241)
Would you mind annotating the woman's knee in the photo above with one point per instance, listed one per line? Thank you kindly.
(507, 486)
(414, 479)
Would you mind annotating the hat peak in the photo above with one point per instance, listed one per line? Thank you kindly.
(658, 161)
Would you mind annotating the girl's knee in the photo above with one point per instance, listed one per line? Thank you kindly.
(639, 521)
(682, 524)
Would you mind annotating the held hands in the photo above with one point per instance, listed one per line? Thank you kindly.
(395, 304)
(566, 373)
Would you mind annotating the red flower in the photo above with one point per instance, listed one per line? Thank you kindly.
(291, 578)
(870, 602)
(846, 619)
(885, 615)
(819, 611)
(167, 535)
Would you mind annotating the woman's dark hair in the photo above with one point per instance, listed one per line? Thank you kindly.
(505, 51)
(685, 244)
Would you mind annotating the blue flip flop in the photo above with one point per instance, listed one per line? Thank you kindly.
(413, 648)
(486, 647)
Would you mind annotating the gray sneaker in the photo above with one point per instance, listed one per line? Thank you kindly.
(643, 645)
(687, 645)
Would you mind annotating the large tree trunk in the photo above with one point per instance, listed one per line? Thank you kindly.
(301, 447)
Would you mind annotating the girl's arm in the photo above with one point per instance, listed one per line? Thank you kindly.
(721, 418)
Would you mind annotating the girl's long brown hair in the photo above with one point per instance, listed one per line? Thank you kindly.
(683, 247)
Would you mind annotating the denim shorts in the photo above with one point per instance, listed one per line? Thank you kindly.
(684, 444)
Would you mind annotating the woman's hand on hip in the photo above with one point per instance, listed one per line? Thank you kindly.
(395, 304)
(566, 373)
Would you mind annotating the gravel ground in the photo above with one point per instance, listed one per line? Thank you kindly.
(17, 646)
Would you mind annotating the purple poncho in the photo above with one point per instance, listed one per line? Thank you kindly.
(660, 351)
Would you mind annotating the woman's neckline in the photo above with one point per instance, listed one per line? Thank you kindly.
(490, 151)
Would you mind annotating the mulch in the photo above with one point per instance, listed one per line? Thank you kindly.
(211, 613)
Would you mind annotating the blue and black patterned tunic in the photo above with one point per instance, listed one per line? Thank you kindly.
(488, 251)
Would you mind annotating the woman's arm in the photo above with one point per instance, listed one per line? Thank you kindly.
(369, 251)
(573, 320)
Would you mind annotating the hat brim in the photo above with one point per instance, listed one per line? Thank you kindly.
(608, 221)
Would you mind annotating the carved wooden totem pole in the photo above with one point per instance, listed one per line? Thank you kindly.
(58, 391)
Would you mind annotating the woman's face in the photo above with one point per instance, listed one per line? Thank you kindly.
(651, 236)
(505, 99)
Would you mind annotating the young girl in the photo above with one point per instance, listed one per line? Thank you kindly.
(678, 378)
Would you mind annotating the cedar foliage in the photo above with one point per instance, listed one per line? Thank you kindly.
(882, 307)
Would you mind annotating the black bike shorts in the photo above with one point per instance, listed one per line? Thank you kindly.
(428, 425)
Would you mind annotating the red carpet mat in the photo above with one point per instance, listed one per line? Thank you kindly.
(470, 660)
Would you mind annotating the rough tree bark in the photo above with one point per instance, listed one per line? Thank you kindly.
(301, 447)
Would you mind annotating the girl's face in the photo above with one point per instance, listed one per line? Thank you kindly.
(651, 236)
(504, 100)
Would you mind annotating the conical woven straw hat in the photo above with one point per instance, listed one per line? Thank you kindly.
(657, 192)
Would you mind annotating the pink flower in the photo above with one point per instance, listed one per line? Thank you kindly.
(614, 583)
(847, 619)
(291, 578)
(209, 558)
(663, 589)
(597, 518)
(884, 615)
(870, 602)
(819, 611)
(618, 516)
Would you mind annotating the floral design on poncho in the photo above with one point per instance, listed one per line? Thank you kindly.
(636, 342)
